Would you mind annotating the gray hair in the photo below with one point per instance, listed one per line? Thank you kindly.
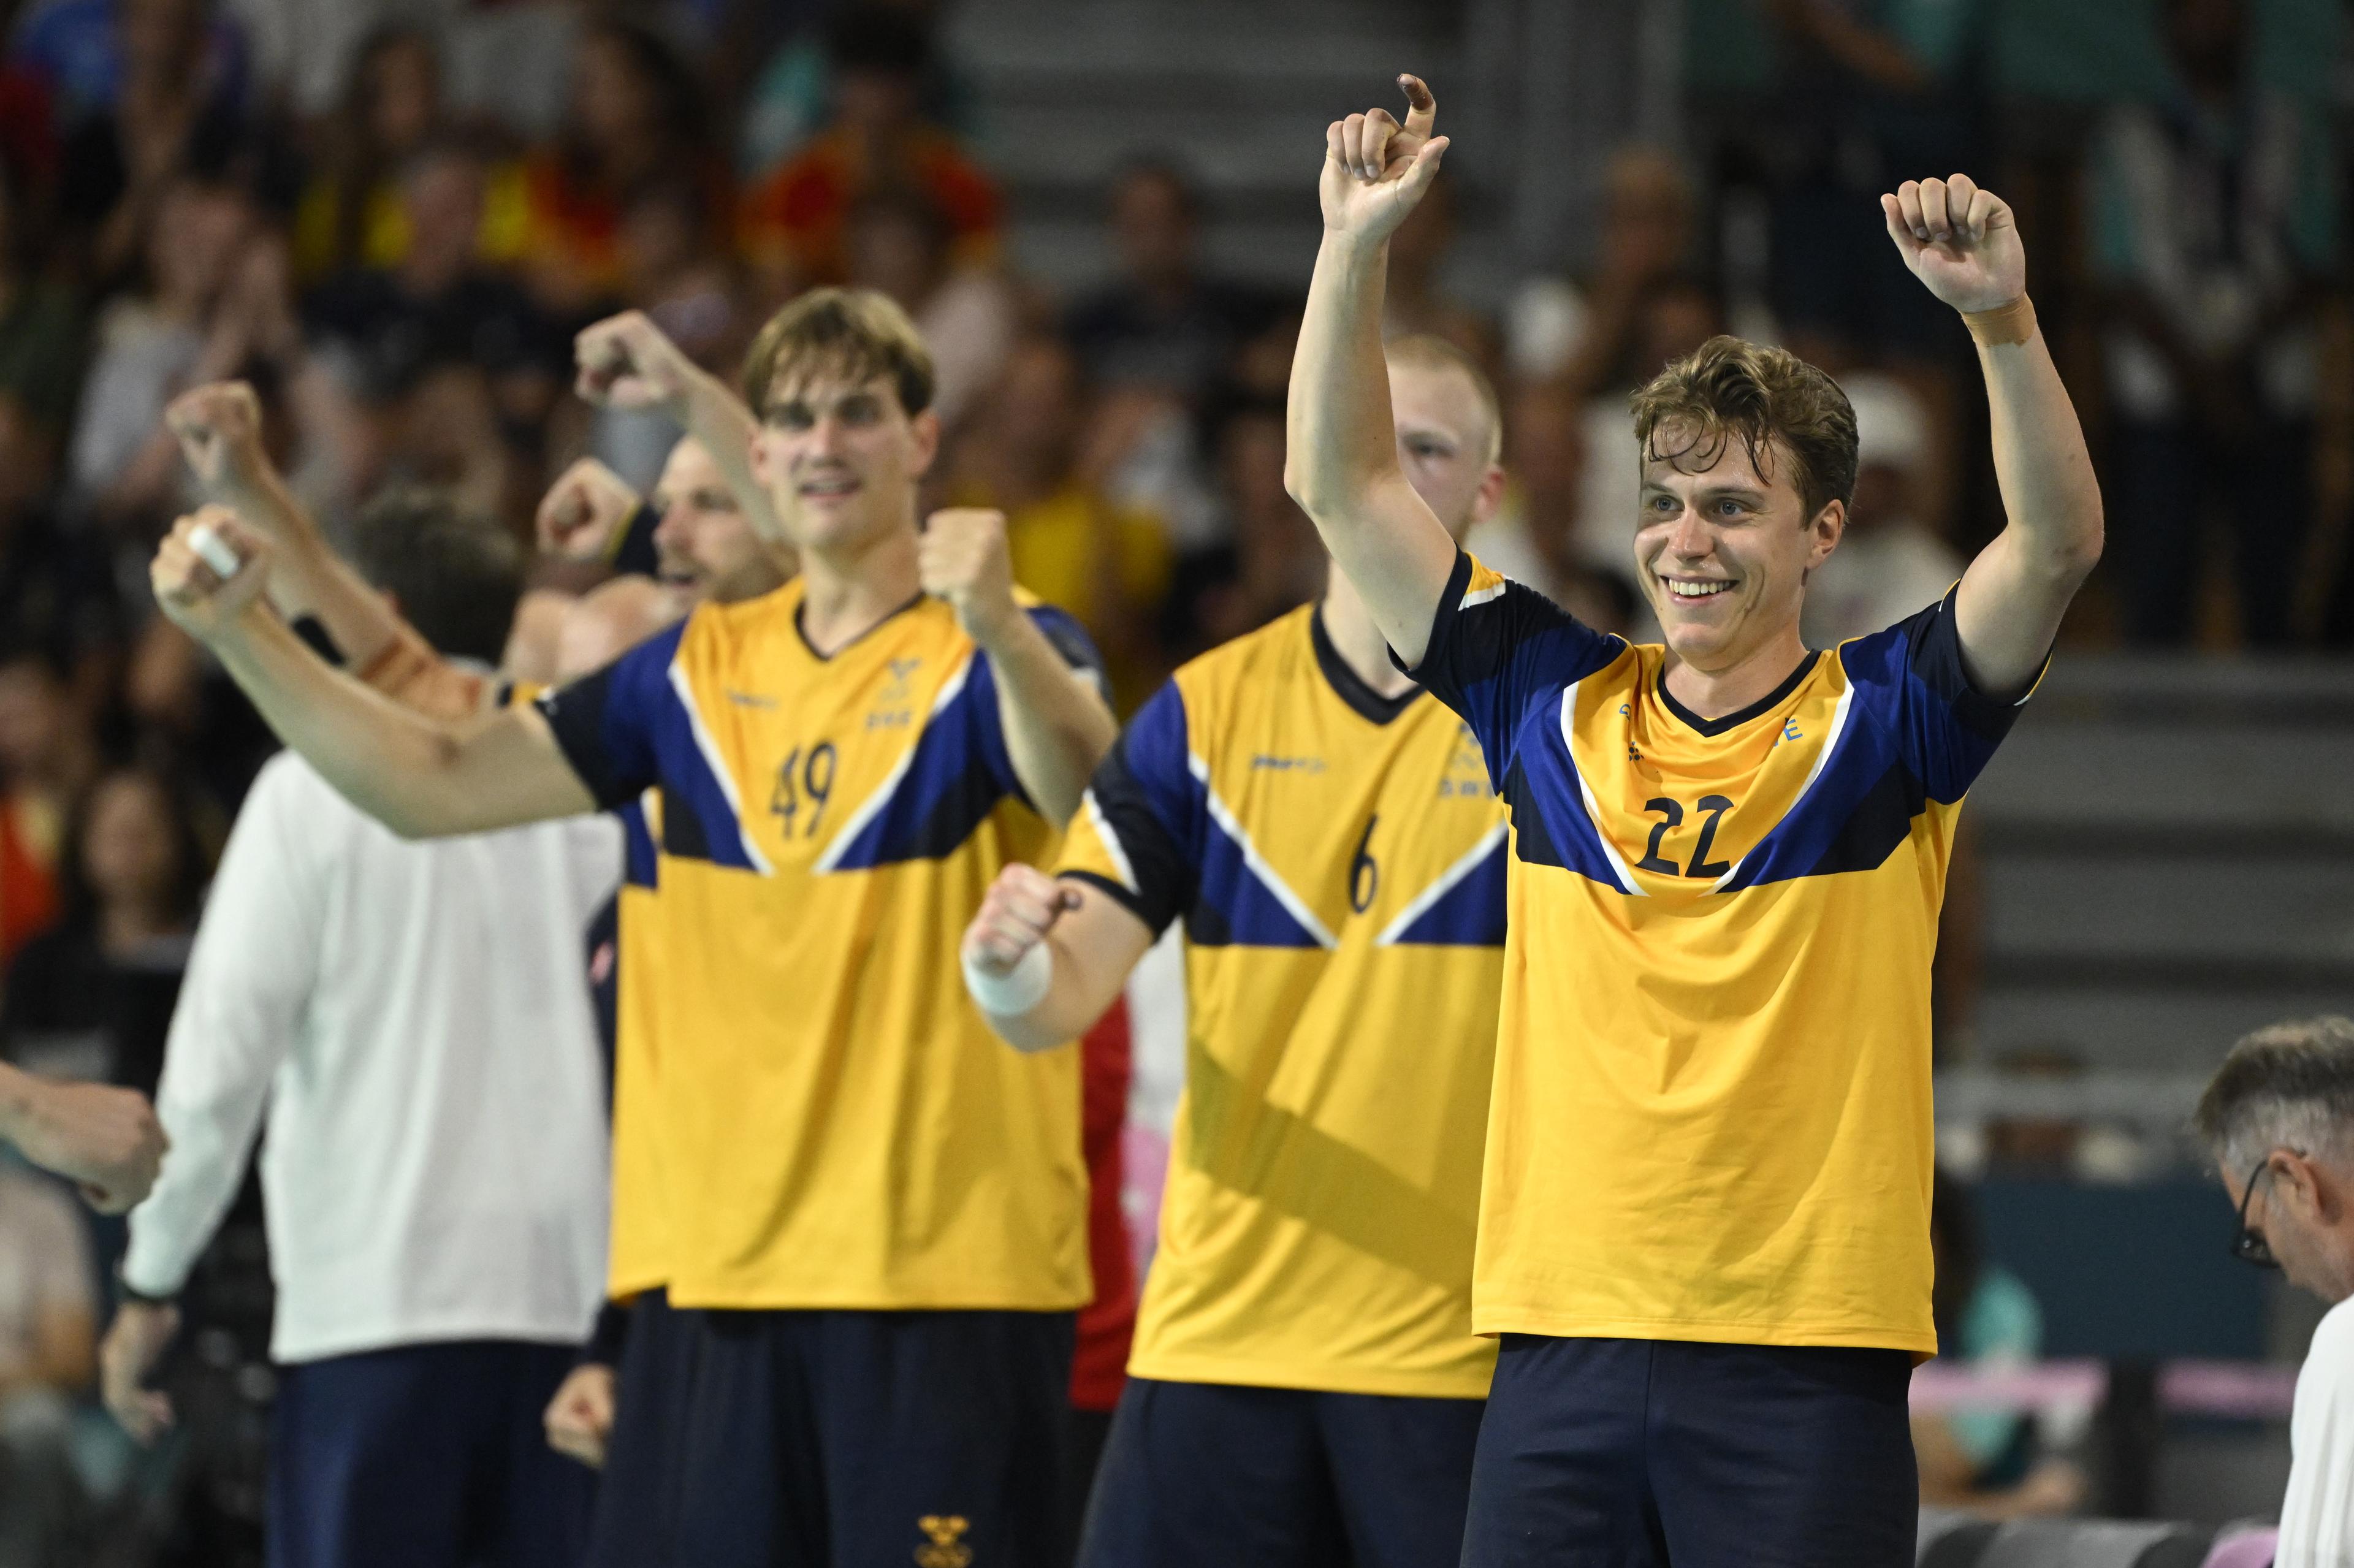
(2289, 1085)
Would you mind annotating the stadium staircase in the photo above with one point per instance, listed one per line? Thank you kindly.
(1238, 90)
(2170, 857)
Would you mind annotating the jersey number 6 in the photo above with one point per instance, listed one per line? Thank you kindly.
(1364, 871)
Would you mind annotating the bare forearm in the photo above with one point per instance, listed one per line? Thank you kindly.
(308, 577)
(1056, 725)
(1338, 414)
(1093, 948)
(418, 775)
(1070, 1009)
(717, 417)
(2041, 463)
(1340, 457)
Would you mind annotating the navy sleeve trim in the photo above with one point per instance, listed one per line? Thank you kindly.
(1442, 621)
(1935, 641)
(575, 715)
(1164, 877)
(1110, 887)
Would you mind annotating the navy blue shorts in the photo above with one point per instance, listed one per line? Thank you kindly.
(425, 1457)
(1200, 1475)
(813, 1439)
(1643, 1453)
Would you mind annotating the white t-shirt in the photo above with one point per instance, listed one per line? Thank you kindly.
(1877, 576)
(2318, 1515)
(414, 1021)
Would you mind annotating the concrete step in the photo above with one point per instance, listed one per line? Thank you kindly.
(2137, 1028)
(2173, 922)
(2147, 781)
(1083, 37)
(1056, 147)
(1238, 90)
(1069, 255)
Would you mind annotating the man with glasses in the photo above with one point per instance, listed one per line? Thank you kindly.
(2279, 1119)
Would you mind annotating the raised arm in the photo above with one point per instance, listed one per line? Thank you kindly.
(1056, 724)
(420, 775)
(1340, 458)
(626, 362)
(1963, 244)
(218, 427)
(1044, 958)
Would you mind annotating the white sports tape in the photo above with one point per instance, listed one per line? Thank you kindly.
(1017, 991)
(215, 551)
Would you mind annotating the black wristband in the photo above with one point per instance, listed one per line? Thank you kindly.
(634, 548)
(132, 1296)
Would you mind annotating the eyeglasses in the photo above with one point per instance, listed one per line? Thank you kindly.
(2249, 1246)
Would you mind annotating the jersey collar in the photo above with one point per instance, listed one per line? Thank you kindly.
(803, 632)
(1350, 686)
(1764, 705)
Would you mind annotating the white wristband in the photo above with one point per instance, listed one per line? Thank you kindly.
(1015, 992)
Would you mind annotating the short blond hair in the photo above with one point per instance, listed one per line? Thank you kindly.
(1428, 351)
(859, 333)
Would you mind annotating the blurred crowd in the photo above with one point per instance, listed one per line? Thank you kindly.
(392, 215)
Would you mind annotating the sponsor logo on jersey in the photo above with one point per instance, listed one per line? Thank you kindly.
(944, 1544)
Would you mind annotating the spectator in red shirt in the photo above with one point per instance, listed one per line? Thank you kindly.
(47, 756)
(1099, 1357)
(636, 120)
(795, 219)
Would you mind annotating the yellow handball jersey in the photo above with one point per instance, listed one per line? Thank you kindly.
(1338, 859)
(830, 1122)
(1712, 1114)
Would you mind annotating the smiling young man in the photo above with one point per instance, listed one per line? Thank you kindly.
(877, 1212)
(1305, 1386)
(1704, 1215)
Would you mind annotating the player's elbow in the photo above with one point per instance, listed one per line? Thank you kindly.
(2078, 551)
(2063, 554)
(2092, 536)
(1320, 490)
(1296, 482)
(428, 799)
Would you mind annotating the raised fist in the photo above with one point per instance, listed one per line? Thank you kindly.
(1961, 241)
(625, 362)
(104, 1140)
(1023, 906)
(218, 427)
(583, 511)
(1375, 170)
(207, 570)
(961, 557)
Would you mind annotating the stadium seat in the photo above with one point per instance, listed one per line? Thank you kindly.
(2096, 1544)
(1951, 1538)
